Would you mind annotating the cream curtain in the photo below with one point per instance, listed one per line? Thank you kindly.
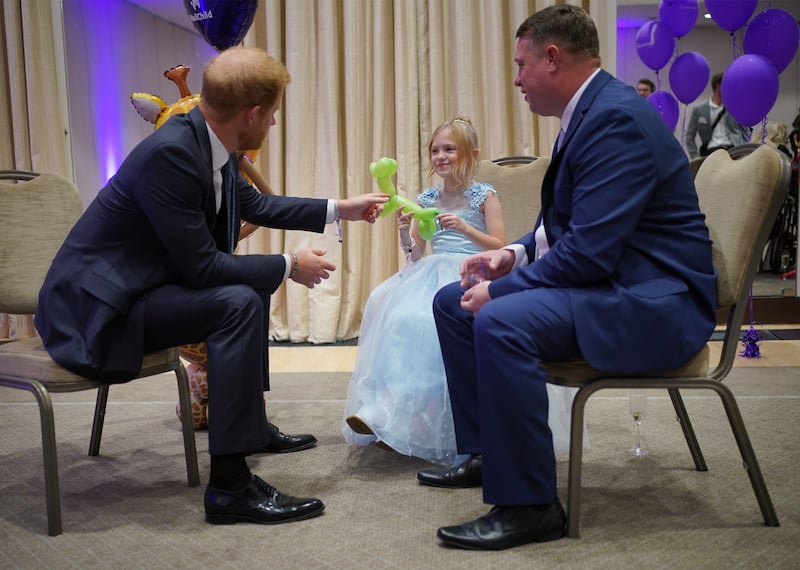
(33, 115)
(373, 79)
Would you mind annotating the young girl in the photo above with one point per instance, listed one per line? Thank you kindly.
(398, 392)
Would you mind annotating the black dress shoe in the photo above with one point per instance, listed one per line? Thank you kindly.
(467, 474)
(506, 527)
(258, 502)
(282, 443)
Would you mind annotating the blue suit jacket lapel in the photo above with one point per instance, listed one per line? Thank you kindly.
(552, 231)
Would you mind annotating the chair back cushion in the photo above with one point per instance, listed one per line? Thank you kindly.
(519, 189)
(740, 199)
(36, 217)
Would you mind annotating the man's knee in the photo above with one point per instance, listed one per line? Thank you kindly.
(448, 299)
(243, 302)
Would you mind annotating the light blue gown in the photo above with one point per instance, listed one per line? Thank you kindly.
(398, 387)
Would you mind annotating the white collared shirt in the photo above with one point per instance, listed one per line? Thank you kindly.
(540, 237)
(219, 157)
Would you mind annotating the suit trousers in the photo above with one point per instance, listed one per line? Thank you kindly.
(233, 321)
(498, 390)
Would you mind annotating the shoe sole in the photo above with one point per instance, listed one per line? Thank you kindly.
(442, 486)
(288, 450)
(357, 425)
(291, 449)
(221, 519)
(385, 446)
(555, 535)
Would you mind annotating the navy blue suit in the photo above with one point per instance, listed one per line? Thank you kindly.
(628, 284)
(147, 267)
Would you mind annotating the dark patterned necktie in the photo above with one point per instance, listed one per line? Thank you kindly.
(228, 179)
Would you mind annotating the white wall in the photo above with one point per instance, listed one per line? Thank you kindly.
(114, 48)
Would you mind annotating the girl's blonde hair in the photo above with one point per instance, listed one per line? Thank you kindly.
(466, 138)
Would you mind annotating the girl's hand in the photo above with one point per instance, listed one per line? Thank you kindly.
(404, 220)
(449, 221)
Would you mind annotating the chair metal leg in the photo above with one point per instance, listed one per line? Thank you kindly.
(688, 430)
(576, 462)
(52, 491)
(99, 419)
(748, 455)
(189, 446)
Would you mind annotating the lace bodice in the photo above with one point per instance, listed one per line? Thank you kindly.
(467, 206)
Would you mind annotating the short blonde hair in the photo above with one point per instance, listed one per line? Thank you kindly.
(242, 77)
(466, 138)
(776, 133)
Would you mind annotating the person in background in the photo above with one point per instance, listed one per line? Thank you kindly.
(618, 271)
(150, 265)
(645, 87)
(775, 135)
(714, 126)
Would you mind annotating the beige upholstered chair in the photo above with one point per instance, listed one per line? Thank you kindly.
(37, 212)
(695, 163)
(740, 199)
(518, 181)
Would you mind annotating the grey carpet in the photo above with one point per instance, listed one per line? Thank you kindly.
(131, 508)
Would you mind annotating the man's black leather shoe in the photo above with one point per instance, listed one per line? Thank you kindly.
(259, 502)
(467, 474)
(506, 527)
(282, 443)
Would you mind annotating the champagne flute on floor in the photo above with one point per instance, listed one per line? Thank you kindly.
(638, 407)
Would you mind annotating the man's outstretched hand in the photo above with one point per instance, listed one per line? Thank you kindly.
(366, 207)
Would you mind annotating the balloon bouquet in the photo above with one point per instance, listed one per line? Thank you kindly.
(223, 24)
(750, 83)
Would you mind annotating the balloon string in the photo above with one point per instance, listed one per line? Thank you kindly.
(752, 337)
(683, 126)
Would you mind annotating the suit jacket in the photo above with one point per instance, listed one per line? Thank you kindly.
(627, 239)
(700, 124)
(153, 224)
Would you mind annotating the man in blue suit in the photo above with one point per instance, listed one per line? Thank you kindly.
(617, 270)
(150, 265)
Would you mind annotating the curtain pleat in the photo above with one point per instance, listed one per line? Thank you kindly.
(373, 79)
(33, 134)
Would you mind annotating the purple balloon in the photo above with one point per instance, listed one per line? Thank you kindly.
(655, 44)
(667, 107)
(750, 88)
(731, 14)
(773, 34)
(688, 76)
(679, 15)
(223, 23)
